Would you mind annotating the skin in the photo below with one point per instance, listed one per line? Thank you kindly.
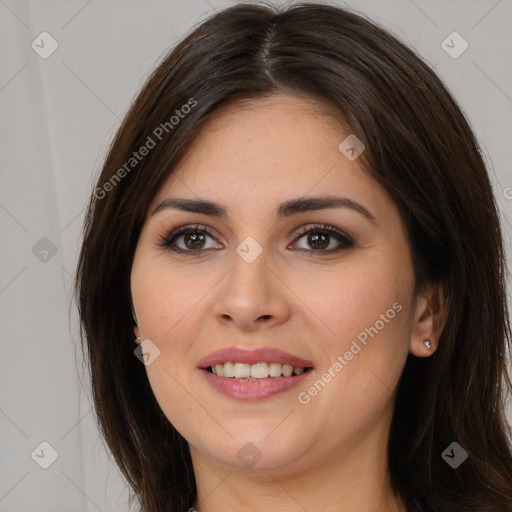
(328, 454)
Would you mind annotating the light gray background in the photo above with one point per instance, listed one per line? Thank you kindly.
(58, 116)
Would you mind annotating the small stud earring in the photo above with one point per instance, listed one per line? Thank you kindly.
(427, 343)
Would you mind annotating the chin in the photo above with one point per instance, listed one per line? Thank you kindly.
(254, 453)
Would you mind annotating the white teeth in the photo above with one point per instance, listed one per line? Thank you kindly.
(259, 370)
(287, 370)
(229, 370)
(274, 369)
(255, 371)
(242, 370)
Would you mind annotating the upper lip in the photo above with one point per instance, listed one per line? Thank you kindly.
(239, 355)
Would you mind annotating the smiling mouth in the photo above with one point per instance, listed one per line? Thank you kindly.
(257, 371)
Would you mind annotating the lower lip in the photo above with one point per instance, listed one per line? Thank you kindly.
(253, 389)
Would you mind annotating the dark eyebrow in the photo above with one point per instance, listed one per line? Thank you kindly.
(286, 209)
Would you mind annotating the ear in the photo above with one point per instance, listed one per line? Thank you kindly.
(137, 334)
(429, 319)
(136, 330)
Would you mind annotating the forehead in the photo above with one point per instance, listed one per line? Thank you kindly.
(267, 150)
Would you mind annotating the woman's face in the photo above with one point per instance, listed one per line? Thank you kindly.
(339, 303)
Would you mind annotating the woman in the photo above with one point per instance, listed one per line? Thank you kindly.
(296, 227)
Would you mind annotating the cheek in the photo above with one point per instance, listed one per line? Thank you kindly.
(362, 316)
(164, 298)
(175, 396)
(356, 295)
(169, 303)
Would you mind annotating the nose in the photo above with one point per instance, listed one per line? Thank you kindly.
(253, 296)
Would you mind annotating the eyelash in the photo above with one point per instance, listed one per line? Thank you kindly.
(346, 241)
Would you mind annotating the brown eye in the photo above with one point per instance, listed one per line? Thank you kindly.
(193, 240)
(188, 239)
(318, 239)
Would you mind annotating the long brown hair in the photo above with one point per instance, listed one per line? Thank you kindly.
(419, 147)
